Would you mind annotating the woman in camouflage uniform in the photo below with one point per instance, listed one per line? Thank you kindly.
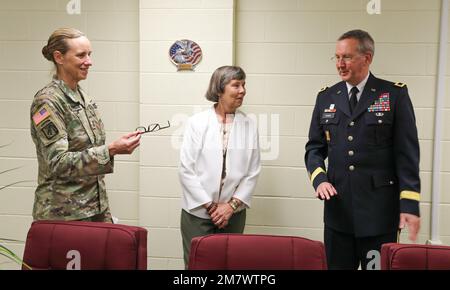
(70, 138)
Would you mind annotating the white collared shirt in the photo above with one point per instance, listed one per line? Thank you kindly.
(360, 87)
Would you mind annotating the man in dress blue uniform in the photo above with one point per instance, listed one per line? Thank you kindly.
(366, 128)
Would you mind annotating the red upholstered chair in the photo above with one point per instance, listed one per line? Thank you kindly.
(414, 257)
(255, 252)
(57, 244)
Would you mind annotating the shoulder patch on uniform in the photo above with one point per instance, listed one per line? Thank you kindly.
(401, 85)
(50, 130)
(48, 127)
(323, 89)
(41, 115)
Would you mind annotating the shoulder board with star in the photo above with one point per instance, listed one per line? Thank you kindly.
(323, 89)
(401, 85)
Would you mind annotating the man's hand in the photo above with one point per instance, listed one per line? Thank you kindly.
(125, 144)
(325, 190)
(413, 224)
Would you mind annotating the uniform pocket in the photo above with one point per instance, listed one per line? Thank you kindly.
(379, 128)
(383, 179)
(329, 119)
(378, 119)
(98, 126)
(330, 123)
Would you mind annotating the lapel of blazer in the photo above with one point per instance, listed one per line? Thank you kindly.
(212, 133)
(340, 97)
(368, 96)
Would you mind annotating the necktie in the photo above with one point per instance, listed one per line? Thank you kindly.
(353, 99)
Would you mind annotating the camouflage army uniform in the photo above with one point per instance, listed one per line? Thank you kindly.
(72, 155)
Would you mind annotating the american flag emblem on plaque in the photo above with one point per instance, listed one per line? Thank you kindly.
(185, 54)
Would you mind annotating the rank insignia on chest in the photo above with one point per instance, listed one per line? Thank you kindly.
(382, 104)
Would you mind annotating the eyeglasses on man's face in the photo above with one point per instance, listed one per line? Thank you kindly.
(152, 128)
(344, 58)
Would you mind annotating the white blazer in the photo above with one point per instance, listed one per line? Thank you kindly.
(201, 158)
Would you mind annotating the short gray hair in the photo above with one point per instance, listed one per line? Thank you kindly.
(366, 43)
(220, 78)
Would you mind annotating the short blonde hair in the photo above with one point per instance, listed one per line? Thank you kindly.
(220, 78)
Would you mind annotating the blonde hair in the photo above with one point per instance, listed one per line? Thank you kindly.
(57, 42)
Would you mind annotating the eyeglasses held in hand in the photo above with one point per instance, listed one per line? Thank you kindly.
(152, 128)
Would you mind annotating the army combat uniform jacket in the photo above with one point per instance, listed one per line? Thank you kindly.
(72, 156)
(373, 157)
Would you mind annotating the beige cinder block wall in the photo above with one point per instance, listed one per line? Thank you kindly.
(166, 94)
(285, 47)
(112, 27)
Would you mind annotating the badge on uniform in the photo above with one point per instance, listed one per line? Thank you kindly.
(327, 136)
(42, 114)
(46, 124)
(50, 130)
(380, 105)
(331, 109)
(327, 116)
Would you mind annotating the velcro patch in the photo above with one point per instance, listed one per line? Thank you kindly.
(50, 130)
(42, 114)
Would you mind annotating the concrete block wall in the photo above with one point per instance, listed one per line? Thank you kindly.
(284, 46)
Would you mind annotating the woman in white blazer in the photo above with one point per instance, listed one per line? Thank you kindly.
(219, 161)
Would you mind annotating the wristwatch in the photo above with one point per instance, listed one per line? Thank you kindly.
(234, 204)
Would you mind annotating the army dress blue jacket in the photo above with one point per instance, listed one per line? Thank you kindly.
(373, 157)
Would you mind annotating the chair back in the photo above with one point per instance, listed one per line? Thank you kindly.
(256, 252)
(414, 257)
(85, 245)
